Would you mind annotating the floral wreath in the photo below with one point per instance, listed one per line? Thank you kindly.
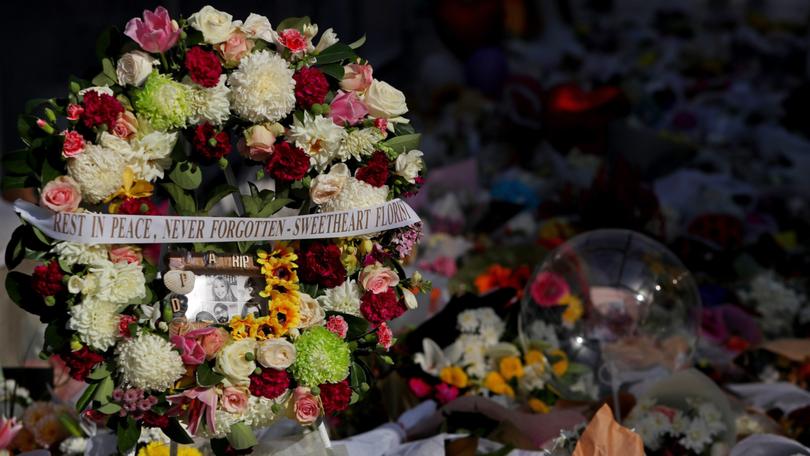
(157, 125)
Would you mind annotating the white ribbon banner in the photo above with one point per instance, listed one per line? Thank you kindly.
(91, 228)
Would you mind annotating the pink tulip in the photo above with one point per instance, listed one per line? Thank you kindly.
(8, 430)
(156, 32)
(347, 108)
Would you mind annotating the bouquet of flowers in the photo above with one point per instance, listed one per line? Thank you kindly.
(667, 430)
(330, 151)
(479, 362)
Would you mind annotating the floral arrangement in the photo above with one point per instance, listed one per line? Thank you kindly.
(176, 98)
(479, 362)
(668, 430)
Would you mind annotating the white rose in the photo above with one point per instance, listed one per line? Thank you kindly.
(236, 361)
(408, 165)
(216, 26)
(258, 26)
(325, 187)
(134, 67)
(328, 38)
(384, 101)
(410, 300)
(310, 311)
(275, 353)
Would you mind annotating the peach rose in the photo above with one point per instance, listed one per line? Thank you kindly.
(356, 77)
(306, 406)
(126, 125)
(310, 311)
(126, 253)
(234, 48)
(377, 278)
(213, 342)
(259, 142)
(61, 195)
(327, 186)
(234, 399)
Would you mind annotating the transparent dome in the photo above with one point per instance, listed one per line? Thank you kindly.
(613, 297)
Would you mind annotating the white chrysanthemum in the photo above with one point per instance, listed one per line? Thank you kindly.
(152, 155)
(98, 171)
(260, 410)
(468, 321)
(73, 446)
(344, 298)
(359, 143)
(534, 377)
(96, 322)
(72, 253)
(149, 362)
(116, 282)
(777, 302)
(319, 137)
(543, 332)
(262, 88)
(210, 104)
(697, 436)
(356, 194)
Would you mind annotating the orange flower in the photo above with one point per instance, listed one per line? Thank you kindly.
(455, 376)
(534, 357)
(560, 366)
(511, 367)
(538, 406)
(496, 383)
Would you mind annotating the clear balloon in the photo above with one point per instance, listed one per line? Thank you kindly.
(614, 298)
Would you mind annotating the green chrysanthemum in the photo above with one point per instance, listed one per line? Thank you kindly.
(164, 102)
(321, 357)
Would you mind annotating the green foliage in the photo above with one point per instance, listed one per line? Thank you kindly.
(207, 377)
(336, 53)
(402, 144)
(128, 433)
(187, 175)
(241, 436)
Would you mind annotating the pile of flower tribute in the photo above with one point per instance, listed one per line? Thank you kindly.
(177, 96)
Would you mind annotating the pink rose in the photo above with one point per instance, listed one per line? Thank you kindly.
(258, 143)
(445, 393)
(191, 352)
(419, 387)
(156, 33)
(377, 278)
(74, 111)
(548, 288)
(234, 48)
(347, 108)
(73, 144)
(126, 254)
(213, 342)
(306, 406)
(356, 77)
(61, 195)
(337, 325)
(293, 40)
(234, 399)
(126, 125)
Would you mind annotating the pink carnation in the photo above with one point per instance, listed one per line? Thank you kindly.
(337, 325)
(73, 144)
(293, 40)
(384, 336)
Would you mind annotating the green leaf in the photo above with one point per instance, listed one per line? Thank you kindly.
(49, 173)
(55, 338)
(207, 377)
(241, 437)
(12, 182)
(219, 192)
(186, 175)
(272, 207)
(15, 250)
(176, 432)
(109, 408)
(335, 70)
(20, 290)
(102, 79)
(404, 143)
(183, 202)
(100, 372)
(86, 396)
(357, 376)
(293, 23)
(128, 433)
(359, 42)
(70, 424)
(244, 246)
(17, 162)
(109, 70)
(357, 326)
(104, 390)
(103, 42)
(337, 52)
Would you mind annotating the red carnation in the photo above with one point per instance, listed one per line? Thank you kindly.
(320, 263)
(47, 279)
(311, 87)
(380, 307)
(335, 397)
(210, 143)
(80, 363)
(376, 171)
(138, 206)
(203, 66)
(271, 383)
(100, 109)
(288, 163)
